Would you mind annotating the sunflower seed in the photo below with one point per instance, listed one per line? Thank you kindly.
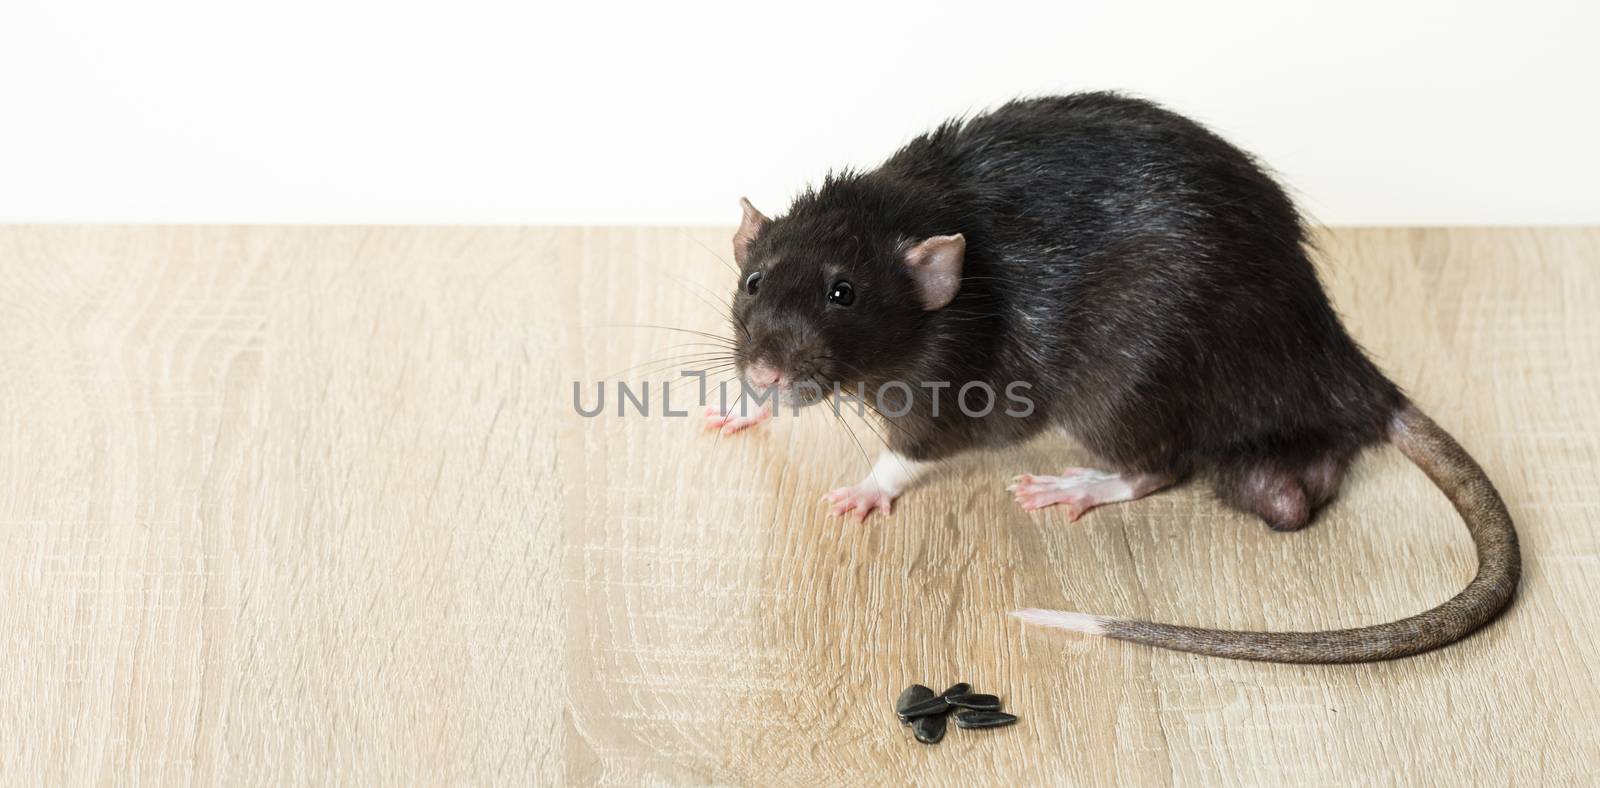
(929, 707)
(929, 730)
(984, 719)
(957, 689)
(913, 695)
(975, 701)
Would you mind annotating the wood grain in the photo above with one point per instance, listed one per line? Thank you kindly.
(313, 505)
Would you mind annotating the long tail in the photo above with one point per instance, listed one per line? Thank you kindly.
(1499, 567)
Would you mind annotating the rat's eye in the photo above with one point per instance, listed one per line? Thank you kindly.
(842, 293)
(752, 282)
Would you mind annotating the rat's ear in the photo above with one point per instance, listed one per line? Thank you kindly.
(935, 266)
(749, 227)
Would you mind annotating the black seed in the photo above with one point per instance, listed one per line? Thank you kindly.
(929, 707)
(975, 701)
(913, 695)
(957, 689)
(929, 730)
(984, 719)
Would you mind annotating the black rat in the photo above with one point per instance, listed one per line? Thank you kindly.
(1151, 286)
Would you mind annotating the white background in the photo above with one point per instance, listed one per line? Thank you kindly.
(474, 112)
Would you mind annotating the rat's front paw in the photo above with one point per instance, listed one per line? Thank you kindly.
(859, 501)
(729, 423)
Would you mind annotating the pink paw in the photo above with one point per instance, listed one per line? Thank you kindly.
(859, 501)
(1077, 489)
(729, 423)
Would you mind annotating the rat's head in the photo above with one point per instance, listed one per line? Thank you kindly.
(825, 297)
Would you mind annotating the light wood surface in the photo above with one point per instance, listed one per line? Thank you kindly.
(312, 505)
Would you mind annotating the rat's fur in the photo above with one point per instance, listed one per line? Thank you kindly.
(1147, 278)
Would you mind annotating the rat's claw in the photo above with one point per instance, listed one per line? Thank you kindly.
(859, 501)
(729, 423)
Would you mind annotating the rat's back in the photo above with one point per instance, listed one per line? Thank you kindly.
(1091, 169)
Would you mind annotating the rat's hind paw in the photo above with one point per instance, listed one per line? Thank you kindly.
(1082, 489)
(1077, 490)
(729, 423)
(859, 501)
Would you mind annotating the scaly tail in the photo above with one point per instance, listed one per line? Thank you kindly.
(1499, 567)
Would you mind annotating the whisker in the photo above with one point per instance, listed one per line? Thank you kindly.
(866, 399)
(686, 285)
(883, 440)
(708, 373)
(683, 358)
(853, 439)
(725, 340)
(730, 410)
(713, 253)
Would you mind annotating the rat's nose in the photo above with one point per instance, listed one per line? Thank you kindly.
(763, 376)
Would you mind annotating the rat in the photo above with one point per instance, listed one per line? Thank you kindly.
(1150, 284)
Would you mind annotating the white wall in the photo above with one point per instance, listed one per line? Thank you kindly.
(1391, 113)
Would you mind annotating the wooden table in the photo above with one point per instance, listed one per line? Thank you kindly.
(305, 505)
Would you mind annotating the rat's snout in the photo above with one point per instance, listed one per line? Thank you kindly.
(764, 376)
(778, 351)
